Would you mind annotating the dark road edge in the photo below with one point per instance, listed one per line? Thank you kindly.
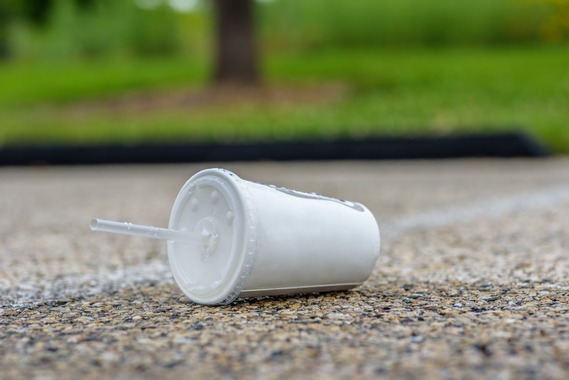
(386, 148)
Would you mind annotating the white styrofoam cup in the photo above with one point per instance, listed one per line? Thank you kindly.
(261, 240)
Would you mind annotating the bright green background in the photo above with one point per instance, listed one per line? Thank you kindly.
(406, 69)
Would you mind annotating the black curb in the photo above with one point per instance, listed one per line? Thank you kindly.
(392, 148)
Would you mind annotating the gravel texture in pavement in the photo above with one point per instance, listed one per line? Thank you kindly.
(472, 281)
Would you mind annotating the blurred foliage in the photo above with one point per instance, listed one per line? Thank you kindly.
(399, 23)
(94, 28)
(404, 92)
(97, 28)
(410, 67)
(556, 25)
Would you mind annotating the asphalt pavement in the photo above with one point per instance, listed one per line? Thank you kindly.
(472, 280)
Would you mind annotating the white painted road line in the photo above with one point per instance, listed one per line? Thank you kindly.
(482, 209)
(157, 272)
(80, 286)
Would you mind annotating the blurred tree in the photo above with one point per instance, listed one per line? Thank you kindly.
(236, 57)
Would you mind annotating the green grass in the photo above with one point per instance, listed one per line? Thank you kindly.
(50, 82)
(392, 93)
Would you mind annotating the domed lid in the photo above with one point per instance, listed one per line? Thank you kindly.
(215, 206)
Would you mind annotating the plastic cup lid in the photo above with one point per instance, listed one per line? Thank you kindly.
(215, 207)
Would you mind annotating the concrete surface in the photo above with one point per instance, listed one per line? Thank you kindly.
(473, 280)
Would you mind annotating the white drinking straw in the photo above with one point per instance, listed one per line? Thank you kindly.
(126, 228)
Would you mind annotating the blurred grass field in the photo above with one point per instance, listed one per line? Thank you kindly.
(359, 70)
